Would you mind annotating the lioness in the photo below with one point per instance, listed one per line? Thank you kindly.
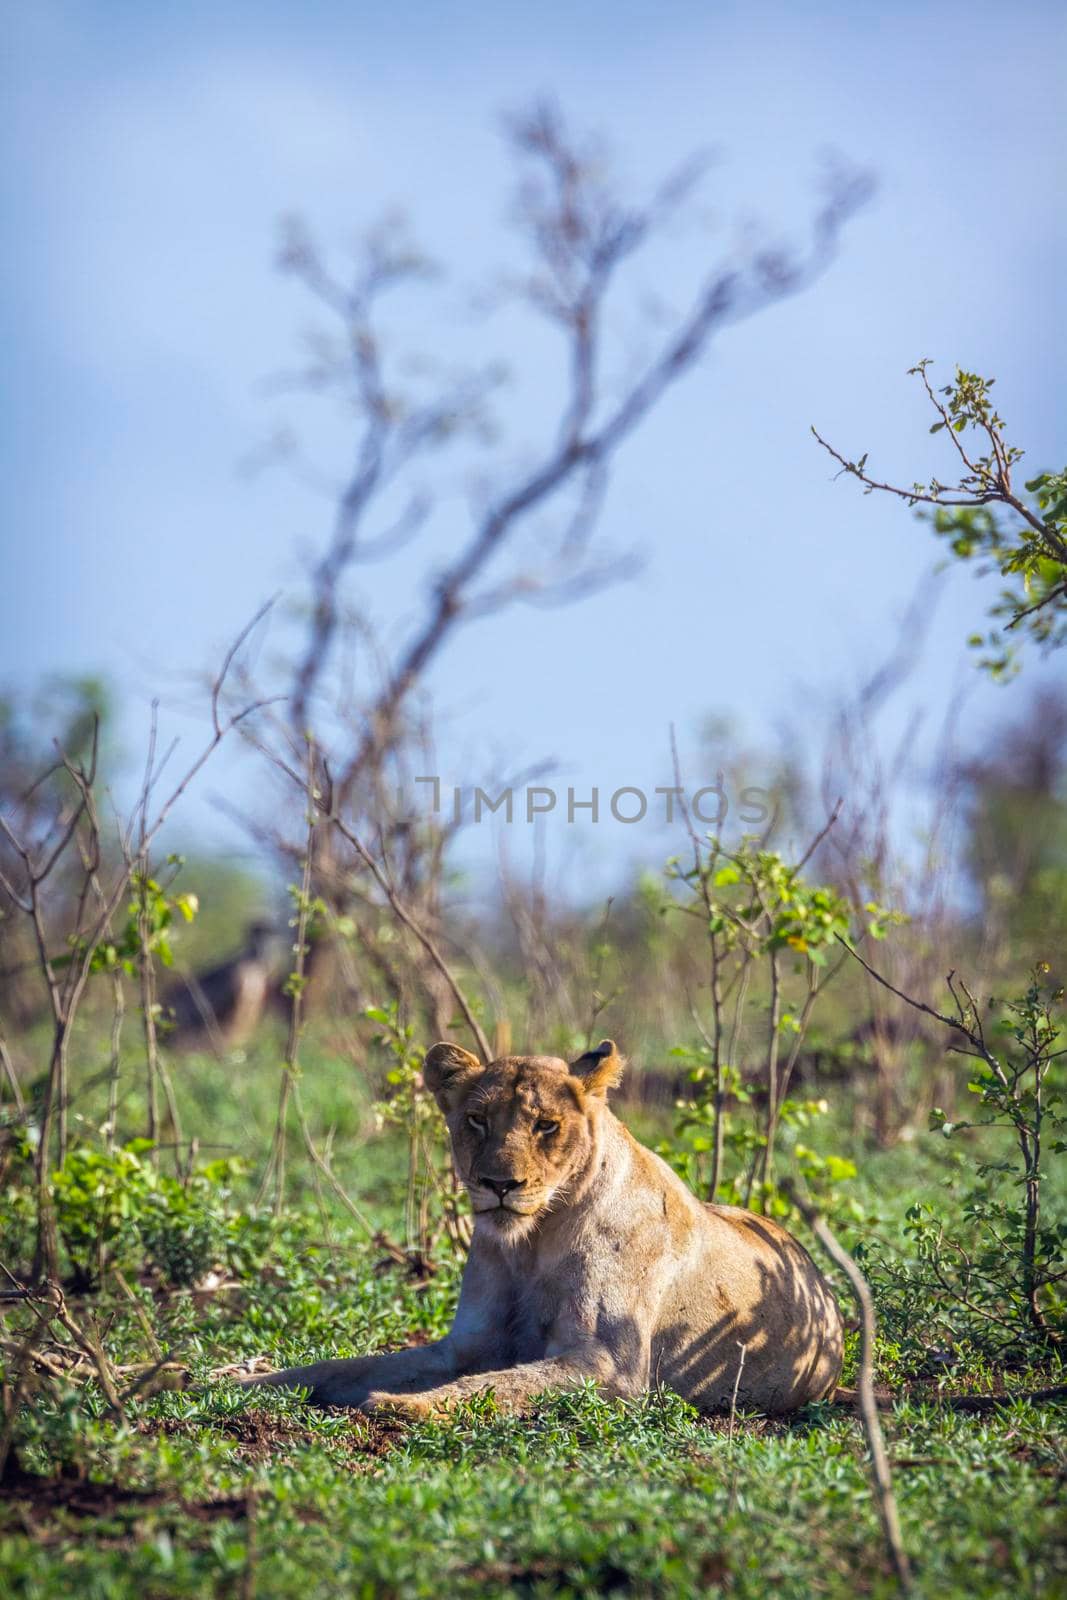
(591, 1259)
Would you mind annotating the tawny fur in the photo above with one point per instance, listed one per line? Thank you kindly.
(600, 1264)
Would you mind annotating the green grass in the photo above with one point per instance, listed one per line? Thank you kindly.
(218, 1492)
(584, 1497)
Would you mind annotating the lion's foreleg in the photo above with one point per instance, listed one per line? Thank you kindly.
(512, 1387)
(349, 1382)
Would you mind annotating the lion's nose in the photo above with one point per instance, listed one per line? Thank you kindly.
(502, 1186)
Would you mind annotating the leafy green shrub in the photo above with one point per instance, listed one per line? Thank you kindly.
(187, 1228)
(98, 1199)
(767, 928)
(116, 1208)
(694, 1134)
(996, 1277)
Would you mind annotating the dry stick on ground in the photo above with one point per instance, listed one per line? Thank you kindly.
(733, 1419)
(89, 1342)
(737, 1385)
(880, 1475)
(54, 1309)
(22, 1360)
(173, 1375)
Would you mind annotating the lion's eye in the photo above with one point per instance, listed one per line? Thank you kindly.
(477, 1123)
(546, 1125)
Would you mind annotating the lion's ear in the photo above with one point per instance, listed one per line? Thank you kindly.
(448, 1069)
(599, 1069)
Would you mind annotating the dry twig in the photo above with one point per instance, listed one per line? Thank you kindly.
(868, 1409)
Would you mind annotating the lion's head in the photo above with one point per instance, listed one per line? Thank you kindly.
(523, 1128)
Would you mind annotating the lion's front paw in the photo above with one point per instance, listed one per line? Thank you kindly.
(403, 1407)
(255, 1370)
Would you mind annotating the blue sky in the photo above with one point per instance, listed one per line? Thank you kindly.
(152, 150)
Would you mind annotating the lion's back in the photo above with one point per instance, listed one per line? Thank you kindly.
(751, 1311)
